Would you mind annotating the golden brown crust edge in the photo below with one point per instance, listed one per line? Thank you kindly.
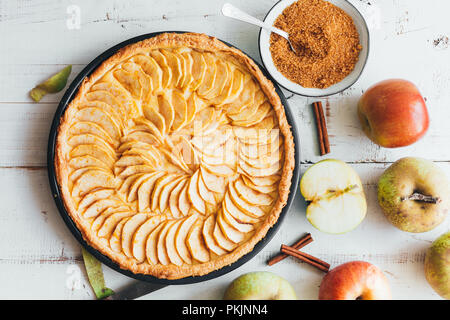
(203, 42)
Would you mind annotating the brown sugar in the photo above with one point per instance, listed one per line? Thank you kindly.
(325, 40)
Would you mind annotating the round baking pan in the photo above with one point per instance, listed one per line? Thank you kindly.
(70, 94)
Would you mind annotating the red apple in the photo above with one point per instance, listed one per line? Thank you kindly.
(393, 113)
(356, 280)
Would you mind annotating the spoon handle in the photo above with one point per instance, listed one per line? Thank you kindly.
(231, 11)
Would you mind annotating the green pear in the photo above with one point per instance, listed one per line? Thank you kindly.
(414, 194)
(437, 265)
(335, 196)
(260, 285)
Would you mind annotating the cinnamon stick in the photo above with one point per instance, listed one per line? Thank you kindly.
(303, 241)
(311, 260)
(324, 143)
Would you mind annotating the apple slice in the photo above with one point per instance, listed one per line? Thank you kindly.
(129, 82)
(166, 71)
(245, 98)
(262, 189)
(115, 240)
(220, 81)
(196, 244)
(134, 169)
(159, 185)
(95, 151)
(83, 127)
(98, 206)
(165, 108)
(141, 235)
(120, 94)
(128, 231)
(90, 139)
(175, 65)
(213, 182)
(111, 222)
(255, 172)
(181, 237)
(161, 243)
(204, 192)
(93, 196)
(198, 69)
(102, 118)
(151, 127)
(183, 200)
(208, 229)
(337, 201)
(104, 97)
(145, 190)
(193, 194)
(165, 193)
(228, 230)
(150, 245)
(174, 198)
(134, 187)
(234, 91)
(180, 109)
(211, 70)
(244, 206)
(235, 212)
(93, 179)
(238, 225)
(171, 249)
(151, 68)
(88, 161)
(144, 80)
(140, 136)
(221, 240)
(251, 196)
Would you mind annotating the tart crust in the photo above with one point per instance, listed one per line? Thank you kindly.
(198, 42)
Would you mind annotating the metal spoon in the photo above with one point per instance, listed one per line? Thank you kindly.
(231, 11)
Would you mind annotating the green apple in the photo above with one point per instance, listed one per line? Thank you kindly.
(414, 194)
(260, 285)
(335, 196)
(437, 265)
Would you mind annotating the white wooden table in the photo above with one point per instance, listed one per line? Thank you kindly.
(39, 258)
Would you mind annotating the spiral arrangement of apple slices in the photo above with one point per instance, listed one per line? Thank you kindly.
(174, 156)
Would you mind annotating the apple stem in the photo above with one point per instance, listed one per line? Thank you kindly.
(421, 197)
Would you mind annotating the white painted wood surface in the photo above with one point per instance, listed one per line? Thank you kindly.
(39, 258)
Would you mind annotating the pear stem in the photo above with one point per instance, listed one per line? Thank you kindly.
(421, 197)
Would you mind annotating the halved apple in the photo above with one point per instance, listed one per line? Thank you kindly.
(336, 200)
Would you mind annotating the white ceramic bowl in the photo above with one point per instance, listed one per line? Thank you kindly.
(266, 57)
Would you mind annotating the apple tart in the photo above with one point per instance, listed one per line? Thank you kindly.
(175, 157)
